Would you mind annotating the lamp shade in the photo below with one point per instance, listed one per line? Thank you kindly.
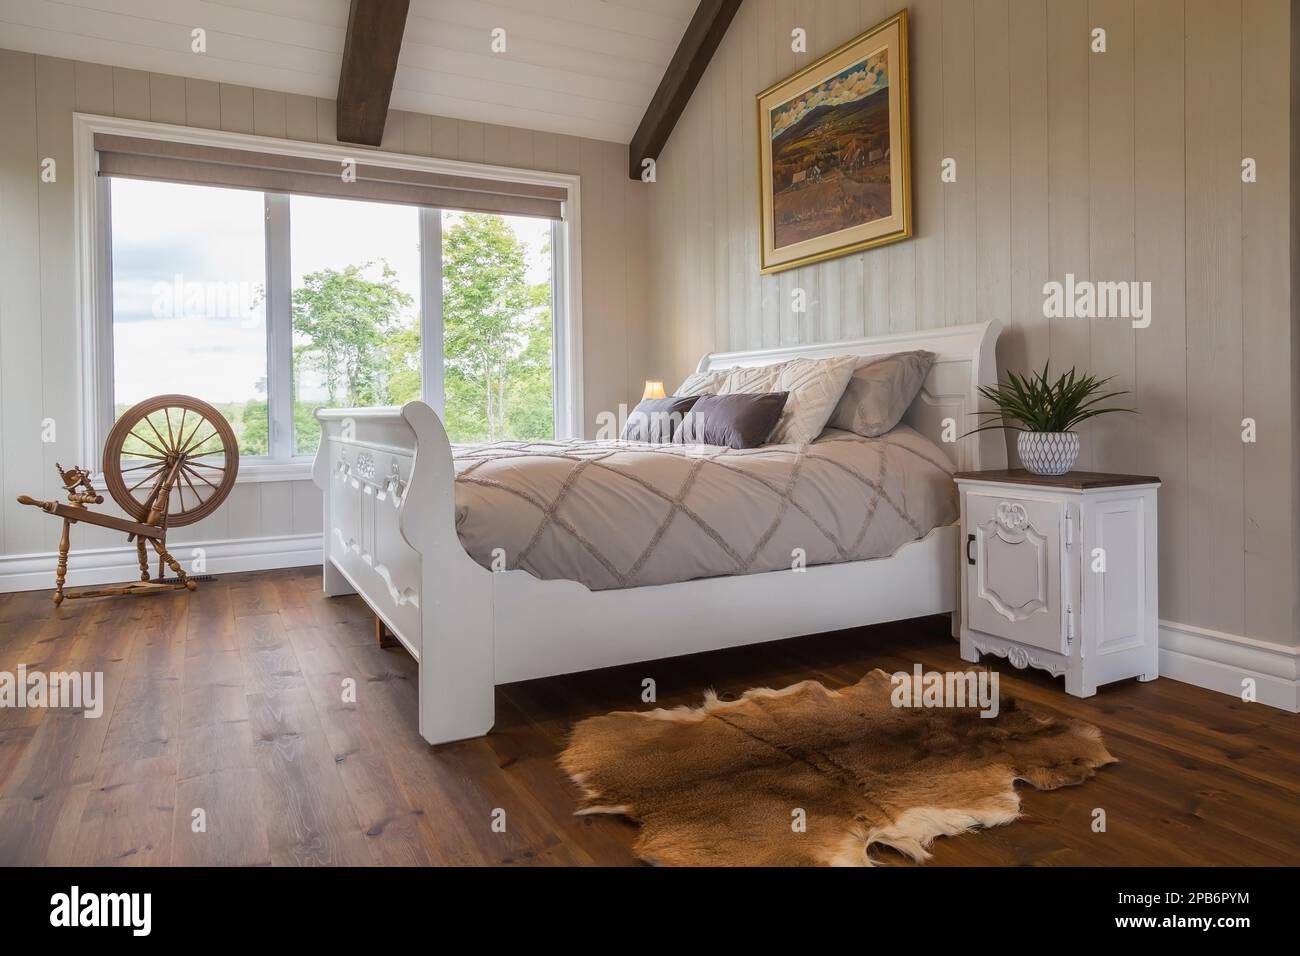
(653, 390)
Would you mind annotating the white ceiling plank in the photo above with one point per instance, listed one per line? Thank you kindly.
(491, 91)
(89, 49)
(212, 17)
(527, 49)
(328, 12)
(477, 111)
(681, 10)
(584, 14)
(167, 37)
(489, 68)
(537, 23)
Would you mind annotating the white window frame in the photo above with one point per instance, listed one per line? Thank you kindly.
(93, 232)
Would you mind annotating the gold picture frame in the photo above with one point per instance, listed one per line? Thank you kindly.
(841, 182)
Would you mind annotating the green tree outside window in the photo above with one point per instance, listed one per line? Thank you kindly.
(358, 332)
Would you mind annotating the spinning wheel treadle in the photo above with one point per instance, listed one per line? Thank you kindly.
(170, 460)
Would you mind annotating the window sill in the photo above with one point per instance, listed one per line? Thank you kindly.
(254, 471)
(298, 470)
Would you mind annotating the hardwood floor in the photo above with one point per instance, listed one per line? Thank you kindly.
(231, 701)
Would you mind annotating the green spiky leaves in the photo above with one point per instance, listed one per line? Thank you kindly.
(1036, 404)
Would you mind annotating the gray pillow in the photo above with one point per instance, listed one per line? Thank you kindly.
(880, 391)
(655, 420)
(739, 420)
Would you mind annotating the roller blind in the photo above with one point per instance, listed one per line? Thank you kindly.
(133, 157)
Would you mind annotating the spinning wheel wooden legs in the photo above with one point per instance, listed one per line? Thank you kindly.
(141, 532)
(144, 586)
(182, 580)
(61, 572)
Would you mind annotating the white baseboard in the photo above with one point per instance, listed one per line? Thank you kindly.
(1219, 661)
(35, 572)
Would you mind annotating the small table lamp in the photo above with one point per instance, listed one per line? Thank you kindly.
(653, 390)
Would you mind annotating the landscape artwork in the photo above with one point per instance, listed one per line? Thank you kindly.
(830, 154)
(833, 142)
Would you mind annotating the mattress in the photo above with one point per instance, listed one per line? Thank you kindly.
(614, 514)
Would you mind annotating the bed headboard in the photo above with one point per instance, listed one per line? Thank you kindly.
(964, 360)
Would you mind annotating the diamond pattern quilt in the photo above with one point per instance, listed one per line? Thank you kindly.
(614, 514)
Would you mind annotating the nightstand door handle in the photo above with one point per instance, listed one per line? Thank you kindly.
(970, 540)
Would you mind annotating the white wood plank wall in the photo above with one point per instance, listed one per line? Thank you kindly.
(1123, 165)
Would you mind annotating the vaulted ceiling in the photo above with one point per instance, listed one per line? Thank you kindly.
(582, 67)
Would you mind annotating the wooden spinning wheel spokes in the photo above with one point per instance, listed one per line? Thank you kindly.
(177, 436)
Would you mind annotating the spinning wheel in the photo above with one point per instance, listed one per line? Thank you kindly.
(170, 460)
(164, 433)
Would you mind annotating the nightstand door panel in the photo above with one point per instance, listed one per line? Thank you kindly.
(1014, 584)
(1116, 559)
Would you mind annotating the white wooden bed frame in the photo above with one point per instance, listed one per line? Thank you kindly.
(390, 536)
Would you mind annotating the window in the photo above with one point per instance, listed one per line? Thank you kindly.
(189, 312)
(497, 330)
(355, 305)
(269, 305)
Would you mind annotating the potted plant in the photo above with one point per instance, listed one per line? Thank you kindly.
(1046, 413)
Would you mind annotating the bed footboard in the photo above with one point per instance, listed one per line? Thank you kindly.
(388, 485)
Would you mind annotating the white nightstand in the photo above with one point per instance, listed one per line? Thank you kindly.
(1059, 573)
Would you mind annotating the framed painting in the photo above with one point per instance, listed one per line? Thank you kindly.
(834, 144)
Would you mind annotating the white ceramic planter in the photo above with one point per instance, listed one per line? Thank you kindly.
(1048, 453)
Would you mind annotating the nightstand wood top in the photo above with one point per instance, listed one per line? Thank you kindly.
(1074, 480)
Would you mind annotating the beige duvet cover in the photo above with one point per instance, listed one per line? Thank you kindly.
(620, 514)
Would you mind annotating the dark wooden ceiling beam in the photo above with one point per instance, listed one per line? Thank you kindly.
(702, 36)
(369, 64)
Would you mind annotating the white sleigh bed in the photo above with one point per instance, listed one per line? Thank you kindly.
(387, 478)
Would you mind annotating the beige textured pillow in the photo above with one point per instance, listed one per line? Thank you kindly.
(814, 386)
(880, 391)
(702, 383)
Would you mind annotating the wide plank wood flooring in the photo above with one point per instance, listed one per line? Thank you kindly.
(231, 701)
